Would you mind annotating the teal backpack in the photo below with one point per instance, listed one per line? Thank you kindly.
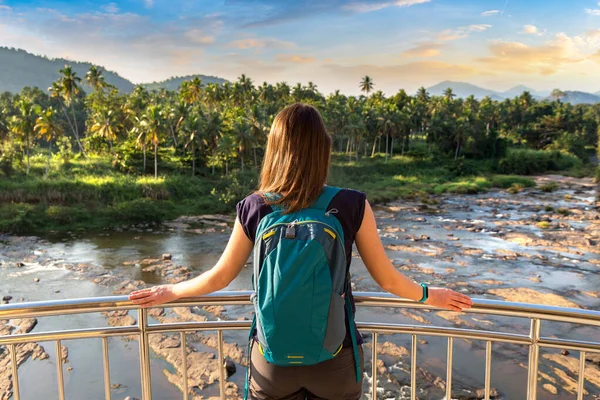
(299, 283)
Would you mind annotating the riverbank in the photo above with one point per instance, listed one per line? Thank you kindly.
(90, 194)
(490, 245)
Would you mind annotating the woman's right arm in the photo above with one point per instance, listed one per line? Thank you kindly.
(390, 279)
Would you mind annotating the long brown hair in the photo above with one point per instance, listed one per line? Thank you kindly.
(297, 158)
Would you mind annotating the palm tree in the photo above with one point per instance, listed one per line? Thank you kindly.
(192, 126)
(94, 78)
(68, 86)
(49, 129)
(22, 124)
(241, 131)
(366, 85)
(557, 94)
(449, 94)
(152, 130)
(106, 126)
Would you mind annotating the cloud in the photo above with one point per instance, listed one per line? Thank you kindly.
(593, 11)
(253, 43)
(461, 32)
(423, 50)
(596, 57)
(546, 59)
(197, 36)
(490, 13)
(148, 3)
(530, 30)
(294, 58)
(364, 7)
(111, 8)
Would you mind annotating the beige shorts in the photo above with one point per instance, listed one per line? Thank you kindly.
(333, 379)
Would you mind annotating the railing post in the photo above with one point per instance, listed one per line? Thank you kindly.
(374, 366)
(184, 366)
(413, 369)
(144, 354)
(581, 379)
(488, 368)
(15, 372)
(534, 355)
(449, 368)
(106, 367)
(59, 371)
(221, 364)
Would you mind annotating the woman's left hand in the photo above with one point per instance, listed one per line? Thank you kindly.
(153, 296)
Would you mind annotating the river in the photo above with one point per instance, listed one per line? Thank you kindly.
(489, 245)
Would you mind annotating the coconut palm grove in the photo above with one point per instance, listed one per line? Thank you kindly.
(81, 154)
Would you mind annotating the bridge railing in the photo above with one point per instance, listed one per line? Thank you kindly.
(536, 314)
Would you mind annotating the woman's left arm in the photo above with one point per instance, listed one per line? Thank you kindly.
(230, 264)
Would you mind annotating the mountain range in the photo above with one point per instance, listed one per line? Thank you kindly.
(19, 69)
(463, 90)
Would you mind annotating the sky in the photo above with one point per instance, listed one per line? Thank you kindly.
(497, 44)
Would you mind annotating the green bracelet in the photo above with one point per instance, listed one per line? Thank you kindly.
(425, 293)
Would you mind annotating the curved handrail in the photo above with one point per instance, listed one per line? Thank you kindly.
(369, 299)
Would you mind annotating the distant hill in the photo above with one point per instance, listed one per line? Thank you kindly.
(463, 90)
(575, 97)
(19, 69)
(173, 83)
(518, 90)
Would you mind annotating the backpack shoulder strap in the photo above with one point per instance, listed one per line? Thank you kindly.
(325, 197)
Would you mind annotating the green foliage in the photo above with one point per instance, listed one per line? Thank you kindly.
(549, 187)
(507, 181)
(530, 162)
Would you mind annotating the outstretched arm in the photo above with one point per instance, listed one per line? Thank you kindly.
(390, 279)
(230, 264)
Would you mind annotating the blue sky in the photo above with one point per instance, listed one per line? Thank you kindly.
(333, 43)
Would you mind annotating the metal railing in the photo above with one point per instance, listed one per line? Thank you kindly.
(535, 313)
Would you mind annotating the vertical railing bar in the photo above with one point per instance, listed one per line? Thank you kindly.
(374, 366)
(581, 375)
(449, 369)
(144, 355)
(106, 366)
(413, 369)
(59, 371)
(534, 355)
(184, 373)
(488, 368)
(221, 365)
(15, 372)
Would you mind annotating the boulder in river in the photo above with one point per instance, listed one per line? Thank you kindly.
(167, 256)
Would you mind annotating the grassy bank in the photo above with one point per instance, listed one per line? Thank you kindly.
(90, 194)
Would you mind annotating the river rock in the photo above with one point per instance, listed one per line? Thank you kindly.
(167, 256)
(229, 367)
(25, 325)
(64, 354)
(7, 298)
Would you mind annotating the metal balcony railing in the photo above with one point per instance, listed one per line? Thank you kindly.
(534, 313)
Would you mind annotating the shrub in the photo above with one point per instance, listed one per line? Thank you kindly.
(141, 211)
(549, 187)
(529, 162)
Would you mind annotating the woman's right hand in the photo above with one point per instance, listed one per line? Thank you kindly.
(448, 299)
(153, 296)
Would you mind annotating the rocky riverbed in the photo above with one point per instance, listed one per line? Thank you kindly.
(533, 246)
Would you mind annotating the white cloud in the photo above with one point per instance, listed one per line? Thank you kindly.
(2, 7)
(461, 32)
(256, 43)
(111, 8)
(532, 30)
(197, 36)
(490, 13)
(362, 7)
(149, 3)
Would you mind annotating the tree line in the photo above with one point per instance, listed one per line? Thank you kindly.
(216, 126)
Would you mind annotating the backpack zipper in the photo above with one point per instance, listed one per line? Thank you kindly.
(296, 222)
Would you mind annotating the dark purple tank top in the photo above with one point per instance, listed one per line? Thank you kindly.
(350, 206)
